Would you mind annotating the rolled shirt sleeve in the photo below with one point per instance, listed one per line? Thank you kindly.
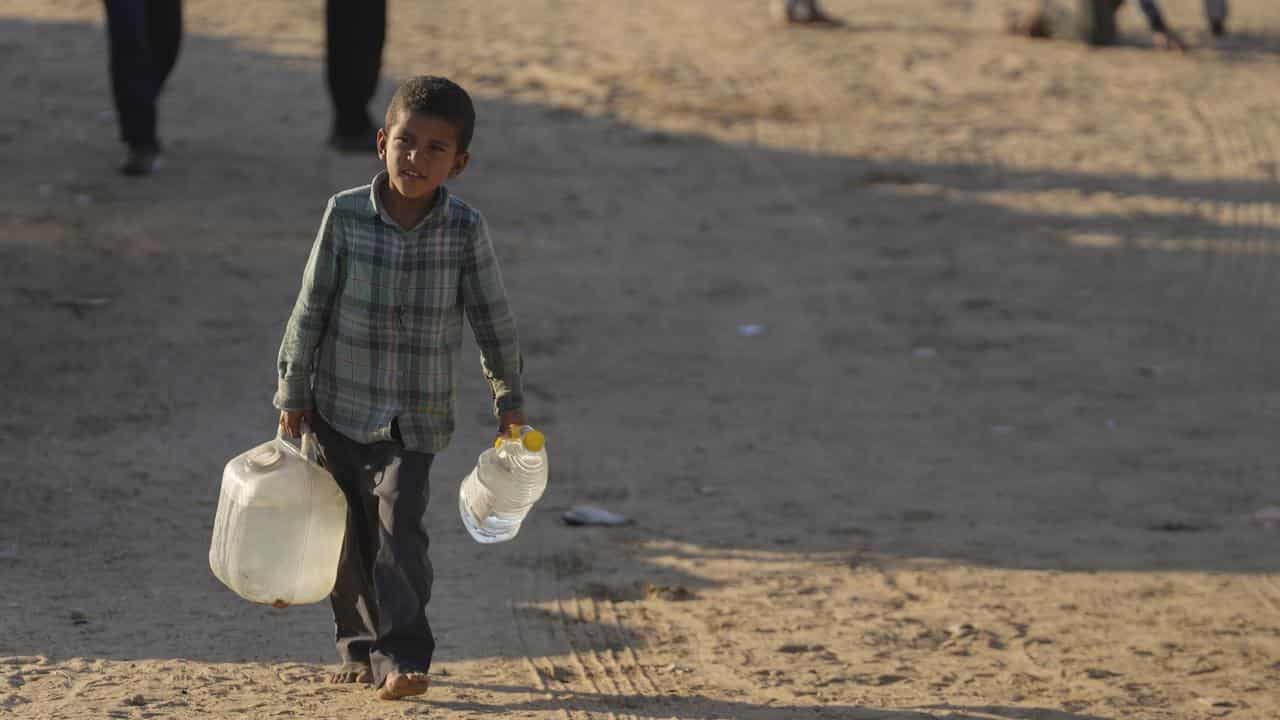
(484, 297)
(307, 322)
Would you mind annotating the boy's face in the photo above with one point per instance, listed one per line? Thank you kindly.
(421, 152)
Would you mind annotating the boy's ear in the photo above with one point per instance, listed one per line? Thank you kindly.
(459, 164)
(382, 144)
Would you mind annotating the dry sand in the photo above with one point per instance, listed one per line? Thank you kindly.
(994, 455)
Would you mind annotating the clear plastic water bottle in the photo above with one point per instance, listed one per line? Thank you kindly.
(507, 480)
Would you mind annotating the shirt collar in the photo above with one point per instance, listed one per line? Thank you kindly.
(439, 207)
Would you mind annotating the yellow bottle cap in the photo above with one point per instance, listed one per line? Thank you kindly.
(534, 441)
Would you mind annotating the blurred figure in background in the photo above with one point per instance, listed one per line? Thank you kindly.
(801, 12)
(143, 37)
(354, 31)
(1215, 12)
(1036, 22)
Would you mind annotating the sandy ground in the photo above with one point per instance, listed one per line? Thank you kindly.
(995, 452)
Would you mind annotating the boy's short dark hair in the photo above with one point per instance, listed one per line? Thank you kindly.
(437, 97)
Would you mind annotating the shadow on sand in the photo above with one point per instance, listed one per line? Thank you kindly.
(129, 500)
(643, 706)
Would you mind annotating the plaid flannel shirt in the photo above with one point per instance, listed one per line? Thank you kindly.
(376, 333)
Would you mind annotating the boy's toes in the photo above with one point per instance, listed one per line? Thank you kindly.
(402, 685)
(351, 673)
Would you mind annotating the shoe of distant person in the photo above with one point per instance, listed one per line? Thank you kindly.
(803, 12)
(1169, 40)
(142, 160)
(1028, 24)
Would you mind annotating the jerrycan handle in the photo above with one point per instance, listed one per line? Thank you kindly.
(308, 448)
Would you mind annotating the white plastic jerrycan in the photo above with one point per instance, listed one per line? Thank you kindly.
(281, 519)
(507, 480)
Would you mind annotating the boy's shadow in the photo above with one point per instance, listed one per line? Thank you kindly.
(698, 706)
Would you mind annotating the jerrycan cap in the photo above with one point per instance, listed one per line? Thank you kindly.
(534, 441)
(265, 457)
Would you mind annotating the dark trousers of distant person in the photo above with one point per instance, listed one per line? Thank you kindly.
(354, 31)
(1215, 11)
(144, 36)
(384, 576)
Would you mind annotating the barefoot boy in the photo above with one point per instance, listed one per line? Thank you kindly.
(369, 361)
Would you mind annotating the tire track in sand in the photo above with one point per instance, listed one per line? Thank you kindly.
(601, 659)
(542, 638)
(1240, 262)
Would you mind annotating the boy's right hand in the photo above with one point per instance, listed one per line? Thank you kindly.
(291, 421)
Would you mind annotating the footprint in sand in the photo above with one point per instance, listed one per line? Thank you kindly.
(558, 673)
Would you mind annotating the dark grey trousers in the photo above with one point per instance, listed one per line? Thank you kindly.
(384, 577)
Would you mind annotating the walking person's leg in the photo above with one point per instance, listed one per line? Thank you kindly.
(385, 575)
(402, 576)
(354, 611)
(354, 31)
(133, 82)
(164, 30)
(1216, 12)
(1162, 36)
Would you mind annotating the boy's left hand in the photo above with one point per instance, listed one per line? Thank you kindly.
(509, 418)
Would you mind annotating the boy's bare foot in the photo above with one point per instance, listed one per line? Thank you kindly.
(403, 685)
(351, 673)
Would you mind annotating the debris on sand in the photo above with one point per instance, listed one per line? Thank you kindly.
(1268, 517)
(797, 648)
(81, 305)
(673, 593)
(592, 515)
(1176, 526)
(558, 673)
